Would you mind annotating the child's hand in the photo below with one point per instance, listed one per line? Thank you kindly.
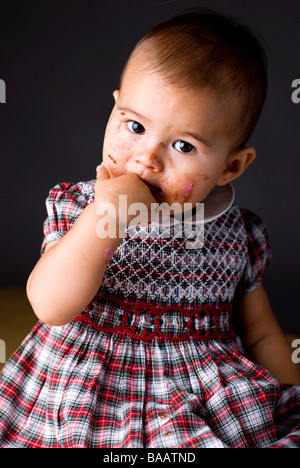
(108, 190)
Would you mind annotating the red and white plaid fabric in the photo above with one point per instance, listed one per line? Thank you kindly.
(153, 361)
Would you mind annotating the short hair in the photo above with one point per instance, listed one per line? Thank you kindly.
(205, 49)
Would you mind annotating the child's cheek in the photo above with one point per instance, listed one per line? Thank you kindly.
(115, 156)
(112, 166)
(188, 188)
(187, 191)
(179, 190)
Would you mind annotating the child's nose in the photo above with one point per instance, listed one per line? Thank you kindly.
(151, 158)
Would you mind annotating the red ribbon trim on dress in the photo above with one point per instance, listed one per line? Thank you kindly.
(213, 309)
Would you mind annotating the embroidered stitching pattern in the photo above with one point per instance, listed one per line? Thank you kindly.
(145, 321)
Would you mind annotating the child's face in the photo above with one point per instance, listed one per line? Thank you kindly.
(173, 138)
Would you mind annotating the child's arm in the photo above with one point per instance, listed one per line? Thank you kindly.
(69, 274)
(263, 338)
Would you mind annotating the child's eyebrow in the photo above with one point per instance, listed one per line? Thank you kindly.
(127, 109)
(200, 138)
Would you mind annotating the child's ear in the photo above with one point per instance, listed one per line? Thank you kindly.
(237, 163)
(116, 94)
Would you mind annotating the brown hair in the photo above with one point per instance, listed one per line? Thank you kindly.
(204, 49)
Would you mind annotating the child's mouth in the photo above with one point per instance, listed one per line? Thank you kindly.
(156, 191)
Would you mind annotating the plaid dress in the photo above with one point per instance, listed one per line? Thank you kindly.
(153, 361)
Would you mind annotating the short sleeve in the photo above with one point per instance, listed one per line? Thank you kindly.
(64, 204)
(258, 254)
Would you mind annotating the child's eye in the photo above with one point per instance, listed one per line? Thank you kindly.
(183, 146)
(135, 127)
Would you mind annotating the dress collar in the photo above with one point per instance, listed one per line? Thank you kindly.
(217, 202)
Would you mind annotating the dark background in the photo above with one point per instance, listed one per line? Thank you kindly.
(61, 61)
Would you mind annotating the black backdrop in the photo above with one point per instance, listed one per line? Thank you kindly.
(61, 61)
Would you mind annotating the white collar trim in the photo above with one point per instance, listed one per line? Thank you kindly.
(217, 202)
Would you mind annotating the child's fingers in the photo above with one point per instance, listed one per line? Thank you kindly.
(102, 172)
